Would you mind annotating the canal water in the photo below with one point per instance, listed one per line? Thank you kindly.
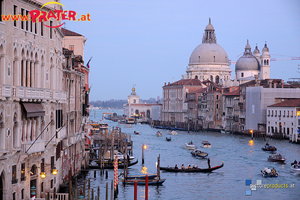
(243, 160)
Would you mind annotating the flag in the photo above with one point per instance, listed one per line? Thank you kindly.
(88, 63)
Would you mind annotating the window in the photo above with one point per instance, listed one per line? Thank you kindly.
(52, 163)
(275, 113)
(242, 74)
(268, 129)
(27, 13)
(23, 177)
(272, 114)
(14, 174)
(284, 113)
(59, 119)
(42, 187)
(268, 113)
(42, 29)
(22, 22)
(51, 29)
(279, 113)
(217, 106)
(217, 97)
(288, 113)
(22, 193)
(15, 13)
(35, 27)
(292, 113)
(71, 47)
(51, 185)
(1, 9)
(43, 165)
(14, 196)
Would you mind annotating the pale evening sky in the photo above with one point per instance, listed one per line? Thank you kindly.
(148, 43)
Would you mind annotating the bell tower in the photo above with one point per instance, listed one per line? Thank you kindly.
(265, 63)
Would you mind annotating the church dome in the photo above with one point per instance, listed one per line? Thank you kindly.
(247, 61)
(208, 53)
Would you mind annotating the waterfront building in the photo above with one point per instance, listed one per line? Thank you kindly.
(283, 119)
(209, 61)
(249, 65)
(267, 93)
(34, 106)
(231, 109)
(175, 97)
(141, 111)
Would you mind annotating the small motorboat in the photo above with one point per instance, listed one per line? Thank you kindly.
(206, 144)
(172, 132)
(268, 148)
(276, 158)
(158, 134)
(199, 154)
(267, 173)
(189, 145)
(136, 132)
(168, 139)
(295, 168)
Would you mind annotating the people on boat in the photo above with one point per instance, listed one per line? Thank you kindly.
(182, 166)
(267, 144)
(176, 166)
(189, 167)
(208, 162)
(274, 172)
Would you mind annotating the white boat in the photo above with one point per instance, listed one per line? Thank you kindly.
(206, 144)
(295, 169)
(189, 145)
(116, 153)
(172, 132)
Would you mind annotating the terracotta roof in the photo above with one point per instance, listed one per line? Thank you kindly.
(145, 104)
(186, 82)
(67, 32)
(201, 90)
(263, 83)
(287, 103)
(233, 93)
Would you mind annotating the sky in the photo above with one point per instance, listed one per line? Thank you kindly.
(148, 43)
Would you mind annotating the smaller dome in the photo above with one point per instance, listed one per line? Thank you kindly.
(209, 26)
(256, 50)
(265, 49)
(247, 62)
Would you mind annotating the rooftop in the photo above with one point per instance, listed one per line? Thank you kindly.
(287, 103)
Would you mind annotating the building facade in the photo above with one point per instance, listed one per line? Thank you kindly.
(34, 105)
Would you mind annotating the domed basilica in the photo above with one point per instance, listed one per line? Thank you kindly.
(209, 61)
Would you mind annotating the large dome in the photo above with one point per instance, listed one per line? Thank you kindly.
(208, 53)
(247, 61)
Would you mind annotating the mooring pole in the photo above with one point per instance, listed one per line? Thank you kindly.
(143, 154)
(146, 188)
(135, 189)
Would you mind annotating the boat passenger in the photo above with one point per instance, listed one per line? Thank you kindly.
(267, 144)
(189, 167)
(176, 166)
(182, 166)
(274, 172)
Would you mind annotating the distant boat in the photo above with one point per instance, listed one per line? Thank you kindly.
(136, 132)
(172, 169)
(189, 145)
(206, 144)
(172, 132)
(158, 134)
(168, 139)
(199, 154)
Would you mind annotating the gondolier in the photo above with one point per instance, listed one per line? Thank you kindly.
(208, 162)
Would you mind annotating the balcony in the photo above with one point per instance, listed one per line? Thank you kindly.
(61, 134)
(31, 93)
(38, 146)
(5, 91)
(14, 181)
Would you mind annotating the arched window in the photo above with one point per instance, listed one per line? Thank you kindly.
(211, 78)
(242, 74)
(196, 77)
(217, 79)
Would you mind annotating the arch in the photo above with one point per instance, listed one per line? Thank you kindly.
(211, 78)
(33, 170)
(137, 113)
(148, 114)
(2, 185)
(217, 79)
(196, 77)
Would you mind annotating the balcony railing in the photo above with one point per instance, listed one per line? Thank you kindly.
(38, 146)
(32, 93)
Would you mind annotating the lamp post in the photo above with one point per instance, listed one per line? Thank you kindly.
(143, 149)
(251, 131)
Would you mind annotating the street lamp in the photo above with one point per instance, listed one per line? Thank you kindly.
(54, 171)
(143, 148)
(251, 131)
(43, 175)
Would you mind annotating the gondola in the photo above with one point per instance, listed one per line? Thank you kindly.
(136, 132)
(143, 182)
(141, 176)
(168, 139)
(111, 165)
(172, 169)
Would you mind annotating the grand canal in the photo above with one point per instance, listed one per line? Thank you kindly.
(243, 161)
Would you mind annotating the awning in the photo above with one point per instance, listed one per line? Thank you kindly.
(33, 109)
